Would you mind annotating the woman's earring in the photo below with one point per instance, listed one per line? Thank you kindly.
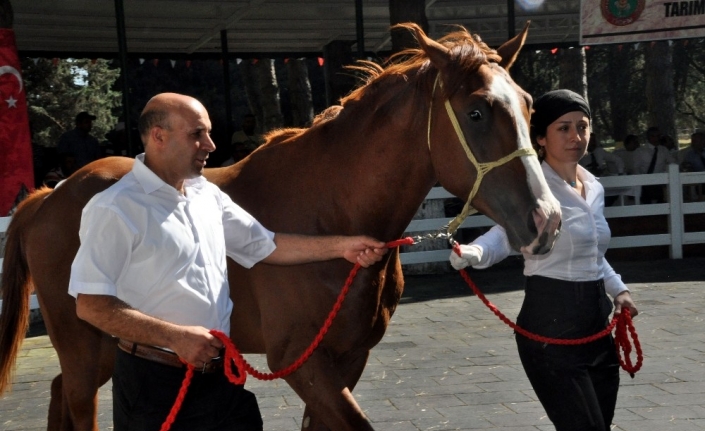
(542, 152)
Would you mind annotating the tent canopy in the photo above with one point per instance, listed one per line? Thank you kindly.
(264, 27)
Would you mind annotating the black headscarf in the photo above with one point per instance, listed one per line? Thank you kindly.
(554, 104)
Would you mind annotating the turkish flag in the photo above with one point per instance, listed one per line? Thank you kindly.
(16, 176)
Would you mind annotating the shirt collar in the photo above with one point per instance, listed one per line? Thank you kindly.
(150, 182)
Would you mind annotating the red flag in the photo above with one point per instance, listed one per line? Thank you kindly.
(16, 170)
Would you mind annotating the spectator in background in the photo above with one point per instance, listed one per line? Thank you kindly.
(80, 142)
(246, 139)
(600, 162)
(631, 143)
(694, 157)
(652, 158)
(67, 166)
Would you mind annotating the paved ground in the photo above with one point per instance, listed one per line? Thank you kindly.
(447, 363)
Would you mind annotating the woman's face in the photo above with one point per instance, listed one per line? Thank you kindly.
(566, 138)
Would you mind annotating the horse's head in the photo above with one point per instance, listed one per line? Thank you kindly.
(478, 136)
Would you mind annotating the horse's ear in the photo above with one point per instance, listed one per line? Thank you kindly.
(510, 49)
(437, 53)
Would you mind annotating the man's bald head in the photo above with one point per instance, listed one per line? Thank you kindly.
(157, 110)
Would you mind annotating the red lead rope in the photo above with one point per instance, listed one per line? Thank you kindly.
(233, 355)
(622, 322)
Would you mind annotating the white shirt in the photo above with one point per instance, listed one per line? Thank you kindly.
(643, 155)
(604, 162)
(164, 253)
(579, 252)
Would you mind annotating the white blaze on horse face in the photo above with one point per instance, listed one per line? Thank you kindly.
(547, 216)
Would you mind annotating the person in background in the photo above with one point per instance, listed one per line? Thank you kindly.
(246, 140)
(631, 143)
(566, 290)
(67, 166)
(151, 270)
(600, 162)
(80, 142)
(694, 156)
(652, 158)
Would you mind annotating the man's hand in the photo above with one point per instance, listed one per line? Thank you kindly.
(470, 255)
(363, 250)
(623, 300)
(196, 345)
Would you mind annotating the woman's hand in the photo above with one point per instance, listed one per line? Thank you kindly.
(623, 300)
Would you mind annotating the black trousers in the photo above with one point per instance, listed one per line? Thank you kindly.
(577, 385)
(144, 393)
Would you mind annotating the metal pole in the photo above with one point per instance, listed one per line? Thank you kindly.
(360, 30)
(511, 29)
(226, 83)
(122, 45)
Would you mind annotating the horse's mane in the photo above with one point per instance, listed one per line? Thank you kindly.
(468, 51)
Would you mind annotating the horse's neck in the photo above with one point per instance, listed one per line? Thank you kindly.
(387, 141)
(365, 171)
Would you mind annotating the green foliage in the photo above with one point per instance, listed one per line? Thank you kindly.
(58, 90)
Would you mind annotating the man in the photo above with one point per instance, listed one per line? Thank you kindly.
(246, 138)
(631, 143)
(80, 142)
(694, 157)
(151, 270)
(652, 158)
(599, 161)
(67, 166)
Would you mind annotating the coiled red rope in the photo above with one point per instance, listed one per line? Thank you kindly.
(622, 322)
(233, 355)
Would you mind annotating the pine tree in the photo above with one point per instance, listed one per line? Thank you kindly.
(59, 89)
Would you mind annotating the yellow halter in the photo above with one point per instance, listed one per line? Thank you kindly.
(482, 168)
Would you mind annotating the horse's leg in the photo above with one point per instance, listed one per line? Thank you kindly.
(79, 347)
(325, 386)
(55, 405)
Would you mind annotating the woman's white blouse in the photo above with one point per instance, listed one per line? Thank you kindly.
(579, 252)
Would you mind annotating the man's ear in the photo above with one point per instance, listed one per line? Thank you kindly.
(157, 135)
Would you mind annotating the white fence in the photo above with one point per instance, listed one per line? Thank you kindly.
(622, 186)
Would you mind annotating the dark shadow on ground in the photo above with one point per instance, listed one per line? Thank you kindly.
(508, 276)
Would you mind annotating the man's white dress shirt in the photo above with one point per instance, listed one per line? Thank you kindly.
(164, 253)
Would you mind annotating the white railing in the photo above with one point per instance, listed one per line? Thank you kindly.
(621, 186)
(4, 223)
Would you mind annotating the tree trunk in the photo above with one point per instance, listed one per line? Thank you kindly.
(300, 93)
(619, 68)
(406, 11)
(574, 71)
(252, 91)
(269, 95)
(337, 54)
(660, 95)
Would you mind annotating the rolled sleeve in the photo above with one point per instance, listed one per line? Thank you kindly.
(104, 254)
(246, 240)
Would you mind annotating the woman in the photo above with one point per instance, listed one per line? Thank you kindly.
(566, 288)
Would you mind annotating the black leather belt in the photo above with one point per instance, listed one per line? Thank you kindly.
(164, 357)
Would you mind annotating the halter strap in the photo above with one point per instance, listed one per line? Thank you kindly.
(481, 168)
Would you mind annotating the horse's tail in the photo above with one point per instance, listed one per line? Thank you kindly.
(16, 288)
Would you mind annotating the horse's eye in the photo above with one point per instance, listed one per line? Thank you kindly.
(476, 115)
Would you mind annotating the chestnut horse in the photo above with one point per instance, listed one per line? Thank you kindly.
(363, 168)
